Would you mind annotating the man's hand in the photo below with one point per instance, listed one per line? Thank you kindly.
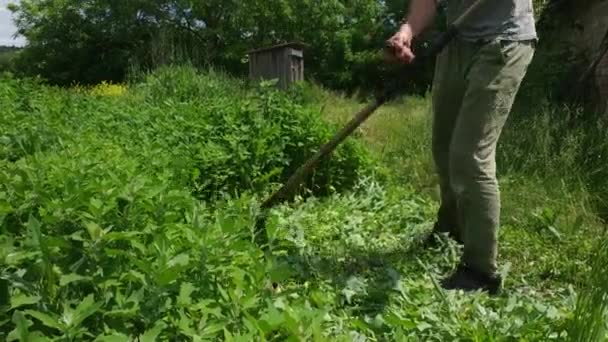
(400, 45)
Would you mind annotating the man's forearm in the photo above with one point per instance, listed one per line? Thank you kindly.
(421, 14)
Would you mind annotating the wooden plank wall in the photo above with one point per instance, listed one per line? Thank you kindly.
(296, 67)
(286, 65)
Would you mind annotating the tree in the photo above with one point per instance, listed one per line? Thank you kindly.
(88, 41)
(82, 41)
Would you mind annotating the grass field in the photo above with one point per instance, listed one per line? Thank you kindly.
(127, 214)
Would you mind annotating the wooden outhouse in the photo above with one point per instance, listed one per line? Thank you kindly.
(284, 62)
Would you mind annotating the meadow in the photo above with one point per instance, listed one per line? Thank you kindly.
(127, 213)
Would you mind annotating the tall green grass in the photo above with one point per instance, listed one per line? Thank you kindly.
(590, 319)
(545, 143)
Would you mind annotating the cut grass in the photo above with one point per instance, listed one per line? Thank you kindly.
(552, 196)
(365, 250)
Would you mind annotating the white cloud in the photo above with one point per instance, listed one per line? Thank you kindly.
(4, 3)
(7, 27)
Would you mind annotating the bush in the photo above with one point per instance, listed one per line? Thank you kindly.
(7, 59)
(92, 232)
(98, 220)
(251, 137)
(223, 137)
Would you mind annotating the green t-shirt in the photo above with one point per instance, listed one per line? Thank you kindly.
(504, 19)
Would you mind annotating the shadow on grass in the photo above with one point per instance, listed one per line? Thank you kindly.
(365, 279)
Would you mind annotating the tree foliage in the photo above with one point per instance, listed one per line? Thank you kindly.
(93, 40)
(88, 41)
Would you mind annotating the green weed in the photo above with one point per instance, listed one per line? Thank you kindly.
(589, 321)
(131, 218)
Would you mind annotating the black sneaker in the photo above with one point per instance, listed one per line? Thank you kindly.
(467, 279)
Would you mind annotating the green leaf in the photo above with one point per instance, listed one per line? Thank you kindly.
(211, 330)
(137, 245)
(227, 335)
(21, 331)
(185, 325)
(113, 337)
(70, 278)
(14, 259)
(554, 232)
(280, 273)
(151, 335)
(223, 293)
(142, 265)
(396, 320)
(185, 292)
(5, 208)
(116, 236)
(273, 318)
(49, 320)
(22, 300)
(36, 234)
(135, 276)
(422, 326)
(175, 266)
(33, 226)
(180, 260)
(348, 294)
(167, 276)
(360, 325)
(94, 230)
(95, 206)
(85, 309)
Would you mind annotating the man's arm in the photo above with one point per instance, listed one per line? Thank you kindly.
(420, 16)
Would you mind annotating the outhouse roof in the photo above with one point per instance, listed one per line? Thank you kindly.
(295, 45)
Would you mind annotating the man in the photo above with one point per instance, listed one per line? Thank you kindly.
(476, 79)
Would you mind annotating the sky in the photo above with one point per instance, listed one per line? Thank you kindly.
(7, 28)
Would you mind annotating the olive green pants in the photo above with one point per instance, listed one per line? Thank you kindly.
(474, 89)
